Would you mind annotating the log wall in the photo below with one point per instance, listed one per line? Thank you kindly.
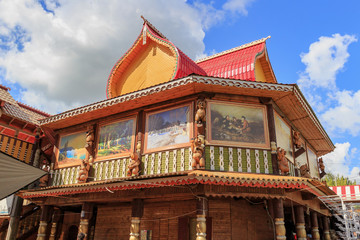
(231, 219)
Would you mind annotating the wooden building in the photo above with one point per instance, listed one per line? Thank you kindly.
(212, 149)
(19, 137)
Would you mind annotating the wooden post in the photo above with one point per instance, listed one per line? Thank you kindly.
(14, 218)
(314, 226)
(279, 219)
(136, 214)
(44, 218)
(270, 207)
(326, 228)
(54, 224)
(300, 223)
(201, 212)
(272, 133)
(85, 215)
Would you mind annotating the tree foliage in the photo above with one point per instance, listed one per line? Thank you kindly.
(338, 180)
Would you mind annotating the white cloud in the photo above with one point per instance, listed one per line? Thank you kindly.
(64, 55)
(338, 109)
(324, 60)
(237, 6)
(345, 115)
(338, 161)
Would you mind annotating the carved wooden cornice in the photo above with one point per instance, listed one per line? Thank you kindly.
(166, 86)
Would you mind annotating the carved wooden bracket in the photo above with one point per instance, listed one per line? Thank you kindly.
(282, 161)
(299, 152)
(307, 196)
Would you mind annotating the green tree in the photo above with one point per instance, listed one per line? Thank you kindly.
(338, 180)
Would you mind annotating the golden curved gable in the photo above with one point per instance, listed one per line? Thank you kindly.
(148, 63)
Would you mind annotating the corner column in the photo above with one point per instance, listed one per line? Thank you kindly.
(136, 214)
(86, 214)
(14, 218)
(314, 226)
(325, 221)
(44, 218)
(201, 212)
(300, 223)
(279, 219)
(54, 224)
(272, 133)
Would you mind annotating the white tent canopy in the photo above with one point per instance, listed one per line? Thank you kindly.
(15, 175)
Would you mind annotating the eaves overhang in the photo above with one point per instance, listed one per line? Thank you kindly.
(287, 97)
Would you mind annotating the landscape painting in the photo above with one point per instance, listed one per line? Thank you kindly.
(116, 139)
(167, 129)
(236, 124)
(72, 149)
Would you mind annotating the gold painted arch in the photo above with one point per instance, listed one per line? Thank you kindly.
(150, 61)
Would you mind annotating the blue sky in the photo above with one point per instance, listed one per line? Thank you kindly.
(57, 54)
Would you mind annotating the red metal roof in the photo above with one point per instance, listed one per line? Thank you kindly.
(236, 63)
(348, 193)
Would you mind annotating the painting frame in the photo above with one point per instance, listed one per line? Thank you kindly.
(75, 162)
(189, 126)
(313, 164)
(243, 144)
(132, 141)
(290, 135)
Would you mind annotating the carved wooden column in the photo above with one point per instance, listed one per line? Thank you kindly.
(326, 228)
(86, 214)
(54, 224)
(279, 219)
(201, 212)
(314, 226)
(300, 223)
(14, 218)
(136, 214)
(44, 218)
(272, 133)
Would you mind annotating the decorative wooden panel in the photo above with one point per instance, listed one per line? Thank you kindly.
(16, 148)
(238, 159)
(217, 158)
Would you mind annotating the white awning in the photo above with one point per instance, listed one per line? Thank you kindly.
(15, 175)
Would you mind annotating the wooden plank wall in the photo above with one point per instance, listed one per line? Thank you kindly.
(250, 221)
(113, 222)
(231, 219)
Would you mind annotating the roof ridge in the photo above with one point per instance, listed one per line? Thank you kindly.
(233, 49)
(28, 107)
(153, 28)
(5, 87)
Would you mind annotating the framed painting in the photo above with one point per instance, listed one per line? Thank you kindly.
(116, 139)
(71, 149)
(313, 163)
(170, 128)
(237, 124)
(283, 136)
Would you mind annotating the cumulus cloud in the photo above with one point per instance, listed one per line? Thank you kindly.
(338, 161)
(60, 52)
(211, 15)
(325, 59)
(345, 115)
(237, 6)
